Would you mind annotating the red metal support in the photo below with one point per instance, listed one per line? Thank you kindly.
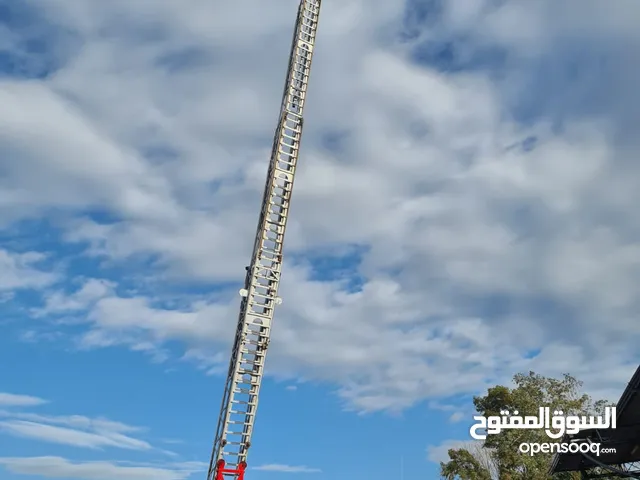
(238, 473)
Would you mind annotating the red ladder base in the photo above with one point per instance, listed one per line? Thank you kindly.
(238, 473)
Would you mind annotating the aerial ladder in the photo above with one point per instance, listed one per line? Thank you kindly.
(260, 292)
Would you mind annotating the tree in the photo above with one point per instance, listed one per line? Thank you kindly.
(498, 457)
(474, 462)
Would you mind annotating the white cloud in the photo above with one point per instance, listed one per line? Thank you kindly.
(474, 251)
(56, 467)
(77, 431)
(89, 433)
(20, 270)
(67, 436)
(286, 468)
(91, 291)
(66, 179)
(456, 417)
(14, 400)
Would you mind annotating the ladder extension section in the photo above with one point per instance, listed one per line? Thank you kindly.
(259, 295)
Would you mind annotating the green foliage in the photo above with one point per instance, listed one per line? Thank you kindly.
(499, 456)
(464, 464)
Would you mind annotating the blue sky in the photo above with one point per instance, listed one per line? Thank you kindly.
(464, 210)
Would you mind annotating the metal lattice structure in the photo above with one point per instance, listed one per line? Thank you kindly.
(626, 470)
(622, 443)
(259, 295)
(614, 471)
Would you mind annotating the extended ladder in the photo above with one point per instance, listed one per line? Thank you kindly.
(259, 295)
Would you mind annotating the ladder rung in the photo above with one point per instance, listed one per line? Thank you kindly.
(243, 391)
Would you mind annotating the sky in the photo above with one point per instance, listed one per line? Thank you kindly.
(465, 208)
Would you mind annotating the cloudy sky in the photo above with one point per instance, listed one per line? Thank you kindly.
(465, 208)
